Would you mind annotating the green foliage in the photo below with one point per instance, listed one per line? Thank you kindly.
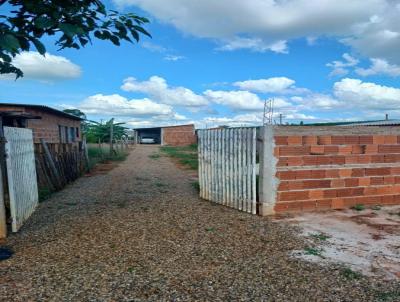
(98, 155)
(358, 207)
(196, 186)
(320, 236)
(350, 274)
(101, 131)
(44, 193)
(154, 156)
(74, 23)
(186, 155)
(313, 251)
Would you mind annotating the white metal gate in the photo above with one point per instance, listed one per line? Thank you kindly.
(227, 167)
(21, 174)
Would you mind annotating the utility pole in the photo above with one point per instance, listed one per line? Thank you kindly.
(111, 136)
(280, 118)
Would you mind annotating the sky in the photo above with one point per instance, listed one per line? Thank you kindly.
(216, 62)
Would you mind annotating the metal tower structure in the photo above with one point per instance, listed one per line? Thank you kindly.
(268, 112)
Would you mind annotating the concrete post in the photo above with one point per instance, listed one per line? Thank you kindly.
(268, 183)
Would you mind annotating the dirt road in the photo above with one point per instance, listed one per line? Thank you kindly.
(140, 233)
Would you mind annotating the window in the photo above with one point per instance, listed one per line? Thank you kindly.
(77, 132)
(62, 134)
(71, 137)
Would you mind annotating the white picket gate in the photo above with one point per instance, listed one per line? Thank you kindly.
(21, 174)
(227, 167)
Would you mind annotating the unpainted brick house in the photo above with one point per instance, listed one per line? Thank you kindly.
(181, 135)
(60, 130)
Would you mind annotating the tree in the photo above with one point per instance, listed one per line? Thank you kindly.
(76, 112)
(101, 131)
(73, 22)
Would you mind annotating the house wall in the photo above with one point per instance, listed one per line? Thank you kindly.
(336, 167)
(179, 135)
(48, 127)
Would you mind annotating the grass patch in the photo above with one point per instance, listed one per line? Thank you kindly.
(320, 236)
(44, 193)
(159, 184)
(154, 156)
(196, 185)
(388, 296)
(186, 155)
(210, 229)
(358, 207)
(350, 274)
(102, 155)
(313, 251)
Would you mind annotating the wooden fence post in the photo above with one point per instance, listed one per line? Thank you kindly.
(268, 182)
(51, 164)
(111, 136)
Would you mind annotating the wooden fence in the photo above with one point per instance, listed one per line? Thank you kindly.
(227, 167)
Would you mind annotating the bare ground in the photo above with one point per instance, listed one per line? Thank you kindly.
(140, 233)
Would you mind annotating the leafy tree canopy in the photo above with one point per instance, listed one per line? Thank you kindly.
(73, 22)
(101, 131)
(76, 112)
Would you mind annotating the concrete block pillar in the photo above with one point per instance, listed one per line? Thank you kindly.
(268, 183)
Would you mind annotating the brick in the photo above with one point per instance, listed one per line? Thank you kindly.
(303, 174)
(316, 194)
(337, 140)
(375, 158)
(332, 173)
(366, 139)
(293, 150)
(281, 140)
(364, 159)
(378, 139)
(345, 172)
(294, 140)
(352, 140)
(281, 207)
(391, 158)
(324, 160)
(309, 205)
(294, 195)
(389, 148)
(316, 183)
(310, 160)
(286, 175)
(351, 182)
(357, 149)
(338, 203)
(296, 185)
(331, 149)
(318, 173)
(295, 161)
(390, 139)
(282, 162)
(371, 149)
(387, 199)
(370, 190)
(338, 160)
(324, 140)
(364, 181)
(397, 179)
(337, 183)
(358, 172)
(377, 171)
(310, 140)
(330, 193)
(317, 149)
(395, 170)
(351, 159)
(347, 149)
(324, 204)
(376, 181)
(276, 152)
(283, 186)
(344, 192)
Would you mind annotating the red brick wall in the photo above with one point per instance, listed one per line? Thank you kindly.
(179, 135)
(47, 126)
(336, 171)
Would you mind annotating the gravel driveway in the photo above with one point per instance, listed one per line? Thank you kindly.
(140, 233)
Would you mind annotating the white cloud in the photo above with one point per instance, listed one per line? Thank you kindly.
(340, 68)
(316, 101)
(357, 94)
(254, 44)
(270, 85)
(153, 47)
(117, 105)
(370, 26)
(158, 89)
(379, 67)
(235, 100)
(173, 58)
(45, 68)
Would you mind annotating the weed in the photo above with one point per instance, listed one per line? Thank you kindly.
(196, 185)
(154, 156)
(350, 274)
(376, 207)
(187, 155)
(159, 184)
(313, 251)
(44, 193)
(210, 229)
(320, 236)
(388, 296)
(131, 270)
(358, 207)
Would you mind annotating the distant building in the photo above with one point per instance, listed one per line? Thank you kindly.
(181, 135)
(62, 131)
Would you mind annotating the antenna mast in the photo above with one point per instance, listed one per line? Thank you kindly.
(268, 112)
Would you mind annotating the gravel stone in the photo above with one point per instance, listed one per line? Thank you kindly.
(121, 237)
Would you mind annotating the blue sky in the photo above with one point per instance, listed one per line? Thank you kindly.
(215, 64)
